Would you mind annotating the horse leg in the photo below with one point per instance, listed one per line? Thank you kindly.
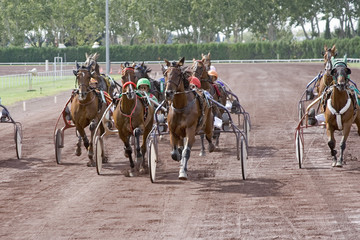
(128, 152)
(202, 151)
(176, 152)
(331, 144)
(139, 155)
(188, 143)
(346, 132)
(89, 144)
(78, 147)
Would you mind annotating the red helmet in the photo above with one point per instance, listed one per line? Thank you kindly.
(194, 80)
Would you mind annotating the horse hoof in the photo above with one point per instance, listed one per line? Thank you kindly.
(105, 160)
(131, 173)
(175, 156)
(211, 147)
(78, 151)
(202, 153)
(182, 175)
(333, 164)
(339, 164)
(91, 164)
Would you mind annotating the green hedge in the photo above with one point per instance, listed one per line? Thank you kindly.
(220, 51)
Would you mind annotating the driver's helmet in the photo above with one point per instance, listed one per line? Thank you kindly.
(194, 80)
(143, 81)
(213, 73)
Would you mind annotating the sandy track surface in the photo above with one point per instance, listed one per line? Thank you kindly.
(40, 199)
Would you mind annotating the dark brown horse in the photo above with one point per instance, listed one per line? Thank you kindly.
(341, 110)
(199, 70)
(157, 88)
(327, 79)
(87, 108)
(188, 114)
(133, 117)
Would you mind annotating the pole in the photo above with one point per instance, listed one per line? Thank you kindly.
(107, 38)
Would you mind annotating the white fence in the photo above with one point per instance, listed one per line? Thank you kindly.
(32, 78)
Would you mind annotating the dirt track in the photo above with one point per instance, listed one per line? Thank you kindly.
(42, 200)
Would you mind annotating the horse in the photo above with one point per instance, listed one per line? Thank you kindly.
(199, 70)
(326, 79)
(142, 71)
(188, 114)
(341, 110)
(133, 116)
(104, 83)
(206, 59)
(87, 108)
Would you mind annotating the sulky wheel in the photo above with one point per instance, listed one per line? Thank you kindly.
(59, 144)
(299, 148)
(152, 159)
(301, 110)
(98, 153)
(18, 141)
(246, 127)
(243, 157)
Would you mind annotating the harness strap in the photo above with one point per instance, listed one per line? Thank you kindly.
(341, 112)
(129, 116)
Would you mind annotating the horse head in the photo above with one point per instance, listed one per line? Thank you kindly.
(175, 78)
(206, 60)
(91, 60)
(340, 73)
(199, 69)
(328, 54)
(83, 77)
(129, 80)
(141, 71)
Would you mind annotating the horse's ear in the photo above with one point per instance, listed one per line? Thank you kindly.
(333, 72)
(96, 55)
(163, 69)
(209, 54)
(133, 65)
(333, 48)
(202, 55)
(348, 71)
(181, 62)
(75, 72)
(325, 48)
(77, 65)
(122, 66)
(167, 63)
(86, 55)
(194, 60)
(142, 65)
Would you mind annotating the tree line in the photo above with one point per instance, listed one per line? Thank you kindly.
(47, 23)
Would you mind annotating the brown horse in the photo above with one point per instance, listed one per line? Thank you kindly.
(206, 59)
(188, 114)
(341, 110)
(87, 108)
(199, 70)
(327, 79)
(133, 117)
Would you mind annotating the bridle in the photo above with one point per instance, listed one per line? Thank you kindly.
(198, 71)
